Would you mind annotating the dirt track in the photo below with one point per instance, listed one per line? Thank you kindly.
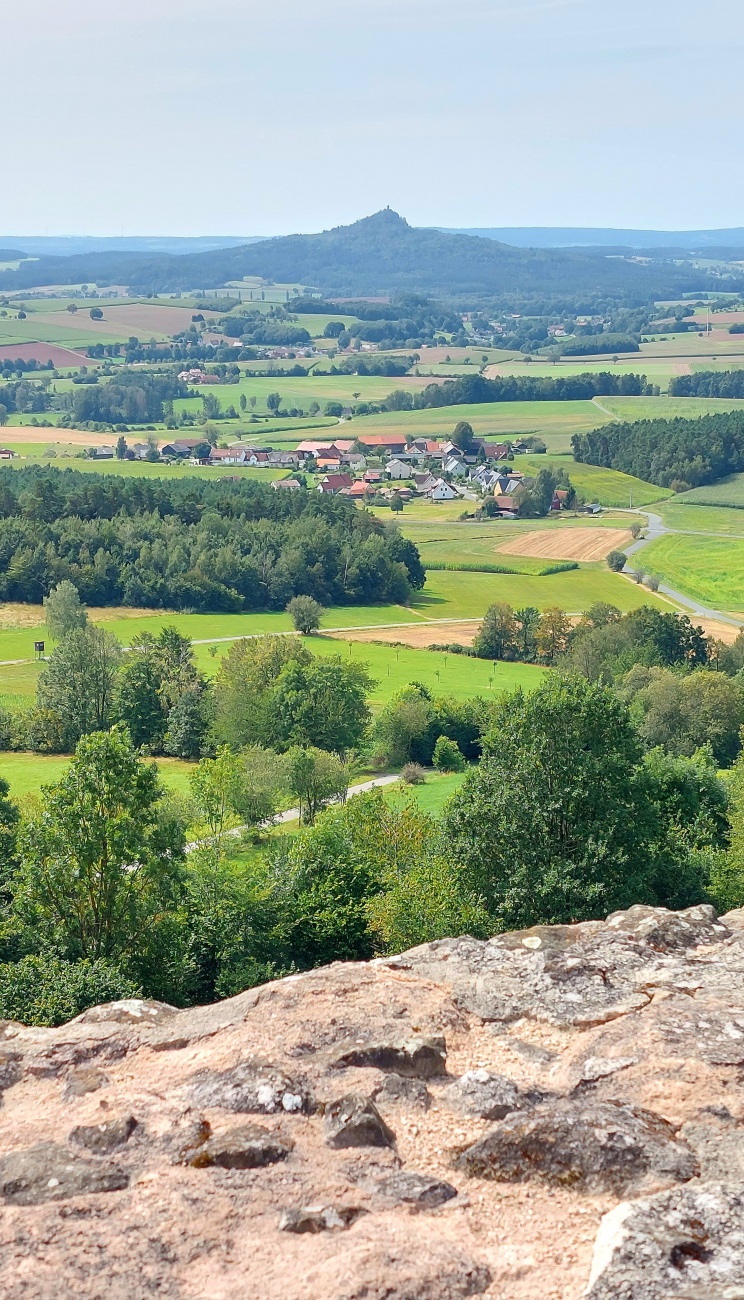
(576, 544)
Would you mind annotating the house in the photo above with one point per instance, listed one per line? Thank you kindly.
(102, 453)
(140, 450)
(424, 447)
(358, 491)
(372, 476)
(455, 466)
(507, 506)
(354, 459)
(560, 499)
(290, 483)
(255, 457)
(443, 492)
(6, 453)
(227, 456)
(329, 463)
(331, 484)
(383, 443)
(397, 469)
(423, 483)
(495, 450)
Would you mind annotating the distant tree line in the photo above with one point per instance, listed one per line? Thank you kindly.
(524, 388)
(675, 453)
(200, 546)
(131, 397)
(708, 383)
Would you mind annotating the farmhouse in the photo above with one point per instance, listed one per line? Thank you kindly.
(443, 491)
(227, 456)
(331, 484)
(291, 483)
(6, 453)
(397, 469)
(383, 443)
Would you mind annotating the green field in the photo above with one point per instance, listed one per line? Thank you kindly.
(26, 773)
(607, 486)
(667, 408)
(468, 595)
(555, 422)
(431, 796)
(681, 512)
(728, 491)
(710, 569)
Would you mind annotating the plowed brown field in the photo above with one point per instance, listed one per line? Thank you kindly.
(573, 544)
(417, 635)
(62, 358)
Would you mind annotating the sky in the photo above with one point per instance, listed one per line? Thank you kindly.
(261, 117)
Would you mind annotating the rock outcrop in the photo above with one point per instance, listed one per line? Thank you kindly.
(552, 1114)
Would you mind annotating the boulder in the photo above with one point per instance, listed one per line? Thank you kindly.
(413, 1058)
(488, 1096)
(397, 1089)
(589, 1145)
(666, 931)
(418, 1190)
(683, 1243)
(104, 1138)
(129, 1011)
(250, 1088)
(49, 1172)
(247, 1147)
(355, 1121)
(319, 1218)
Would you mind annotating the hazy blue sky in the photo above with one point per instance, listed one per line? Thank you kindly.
(269, 116)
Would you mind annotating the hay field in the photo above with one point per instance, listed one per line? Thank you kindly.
(587, 544)
(140, 318)
(418, 635)
(710, 569)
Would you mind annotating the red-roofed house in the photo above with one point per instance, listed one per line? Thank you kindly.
(384, 442)
(333, 483)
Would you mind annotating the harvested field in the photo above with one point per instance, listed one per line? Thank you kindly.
(61, 358)
(575, 544)
(51, 436)
(417, 635)
(140, 318)
(725, 632)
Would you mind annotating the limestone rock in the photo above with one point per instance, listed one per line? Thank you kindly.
(594, 1146)
(104, 1138)
(418, 1190)
(48, 1172)
(355, 1121)
(683, 1244)
(415, 1058)
(250, 1088)
(667, 931)
(488, 1096)
(247, 1147)
(319, 1218)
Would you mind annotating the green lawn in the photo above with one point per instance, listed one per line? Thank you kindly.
(609, 487)
(26, 773)
(710, 569)
(431, 796)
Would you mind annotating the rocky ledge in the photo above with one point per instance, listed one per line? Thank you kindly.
(553, 1114)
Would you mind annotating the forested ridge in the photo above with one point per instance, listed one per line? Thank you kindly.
(671, 453)
(190, 545)
(379, 254)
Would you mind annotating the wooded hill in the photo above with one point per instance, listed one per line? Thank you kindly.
(673, 453)
(380, 254)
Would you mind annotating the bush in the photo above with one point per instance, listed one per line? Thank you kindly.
(616, 560)
(447, 756)
(46, 990)
(652, 582)
(413, 774)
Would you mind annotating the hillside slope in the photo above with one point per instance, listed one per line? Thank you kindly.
(379, 254)
(453, 1122)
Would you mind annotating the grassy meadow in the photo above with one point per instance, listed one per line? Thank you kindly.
(609, 487)
(26, 773)
(728, 491)
(709, 569)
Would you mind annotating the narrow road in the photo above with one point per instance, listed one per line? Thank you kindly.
(293, 814)
(657, 528)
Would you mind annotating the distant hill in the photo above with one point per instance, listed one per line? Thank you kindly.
(380, 254)
(70, 245)
(599, 237)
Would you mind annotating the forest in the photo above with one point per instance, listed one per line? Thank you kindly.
(708, 383)
(192, 545)
(675, 453)
(524, 388)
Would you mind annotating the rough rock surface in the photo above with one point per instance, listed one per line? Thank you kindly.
(559, 1112)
